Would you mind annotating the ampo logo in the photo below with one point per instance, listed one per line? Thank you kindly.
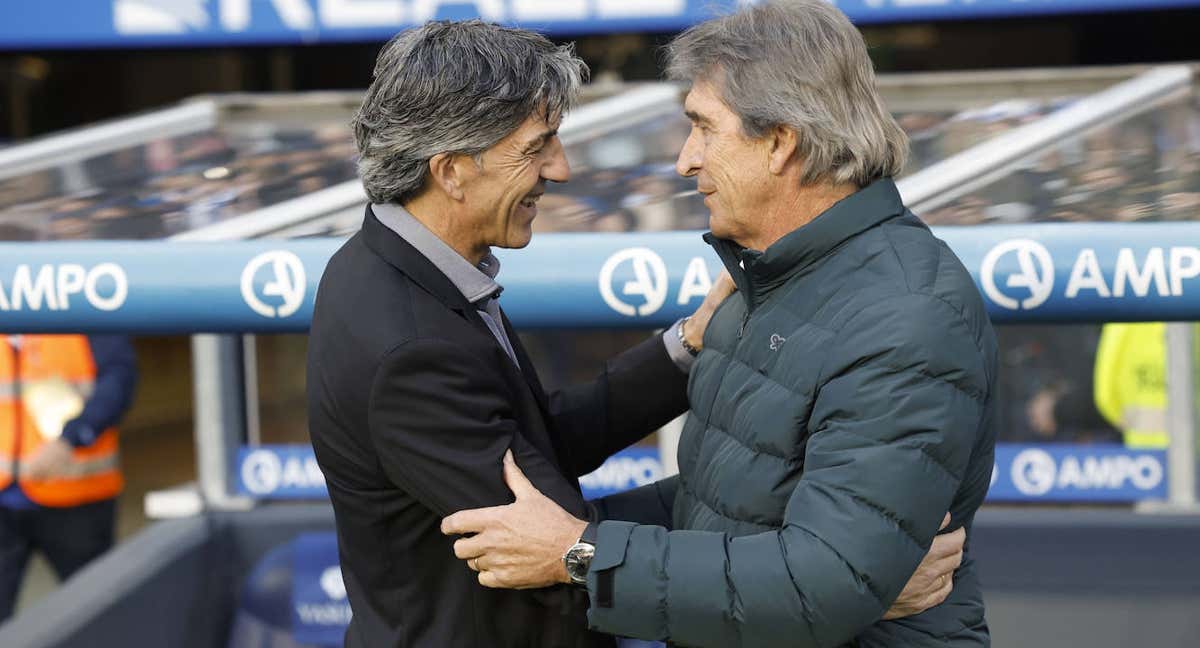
(332, 583)
(649, 281)
(1036, 274)
(287, 282)
(262, 472)
(1034, 472)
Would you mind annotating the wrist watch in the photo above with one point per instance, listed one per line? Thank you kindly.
(683, 339)
(578, 558)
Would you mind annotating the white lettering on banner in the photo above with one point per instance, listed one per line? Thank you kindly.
(35, 290)
(264, 472)
(333, 584)
(549, 9)
(696, 281)
(51, 287)
(650, 281)
(1127, 272)
(133, 17)
(288, 282)
(1179, 270)
(1086, 274)
(1035, 472)
(350, 14)
(1038, 279)
(326, 614)
(620, 473)
(147, 17)
(423, 10)
(639, 8)
(1128, 277)
(295, 14)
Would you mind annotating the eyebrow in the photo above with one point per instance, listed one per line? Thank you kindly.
(541, 139)
(697, 117)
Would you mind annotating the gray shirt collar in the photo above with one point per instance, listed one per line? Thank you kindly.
(474, 282)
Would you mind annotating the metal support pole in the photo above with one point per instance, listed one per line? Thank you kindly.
(1181, 415)
(253, 414)
(220, 416)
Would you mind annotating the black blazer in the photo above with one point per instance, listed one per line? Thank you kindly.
(411, 405)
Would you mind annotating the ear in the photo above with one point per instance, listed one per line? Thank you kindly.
(781, 148)
(448, 172)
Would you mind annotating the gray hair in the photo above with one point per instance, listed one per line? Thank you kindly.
(455, 87)
(803, 65)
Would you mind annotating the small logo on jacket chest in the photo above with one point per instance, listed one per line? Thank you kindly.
(777, 341)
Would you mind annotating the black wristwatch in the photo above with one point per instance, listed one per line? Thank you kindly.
(578, 559)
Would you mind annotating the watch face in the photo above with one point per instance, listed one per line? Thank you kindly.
(578, 560)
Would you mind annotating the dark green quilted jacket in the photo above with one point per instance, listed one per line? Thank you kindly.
(842, 404)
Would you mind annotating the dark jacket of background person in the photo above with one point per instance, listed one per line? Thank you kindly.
(412, 403)
(841, 405)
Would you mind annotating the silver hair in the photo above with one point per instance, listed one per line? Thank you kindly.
(803, 65)
(455, 87)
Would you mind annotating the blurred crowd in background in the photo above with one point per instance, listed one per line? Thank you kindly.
(1145, 168)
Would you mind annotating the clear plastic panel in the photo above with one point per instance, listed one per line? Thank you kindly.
(167, 186)
(1143, 168)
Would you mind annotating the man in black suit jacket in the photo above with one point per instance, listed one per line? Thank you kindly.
(417, 385)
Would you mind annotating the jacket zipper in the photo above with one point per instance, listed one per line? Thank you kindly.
(742, 326)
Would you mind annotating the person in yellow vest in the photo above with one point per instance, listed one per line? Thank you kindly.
(1131, 381)
(60, 398)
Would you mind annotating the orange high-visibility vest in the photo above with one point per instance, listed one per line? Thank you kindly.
(95, 473)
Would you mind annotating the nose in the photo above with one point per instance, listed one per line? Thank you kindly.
(690, 157)
(556, 167)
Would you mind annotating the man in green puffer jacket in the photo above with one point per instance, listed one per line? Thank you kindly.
(843, 400)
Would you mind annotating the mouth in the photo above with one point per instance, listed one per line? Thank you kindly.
(530, 201)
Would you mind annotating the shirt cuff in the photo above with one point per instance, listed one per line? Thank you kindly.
(78, 434)
(679, 355)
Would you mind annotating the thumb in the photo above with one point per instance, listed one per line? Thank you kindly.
(517, 482)
(945, 522)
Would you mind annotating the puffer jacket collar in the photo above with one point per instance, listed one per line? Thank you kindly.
(757, 273)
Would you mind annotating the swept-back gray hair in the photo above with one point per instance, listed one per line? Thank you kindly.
(455, 87)
(799, 64)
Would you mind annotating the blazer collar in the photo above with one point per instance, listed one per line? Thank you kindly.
(401, 255)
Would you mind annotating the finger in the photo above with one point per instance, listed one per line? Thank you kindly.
(489, 579)
(470, 521)
(517, 482)
(948, 544)
(943, 567)
(941, 594)
(945, 522)
(472, 547)
(473, 564)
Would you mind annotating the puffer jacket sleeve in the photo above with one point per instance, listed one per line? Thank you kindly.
(893, 424)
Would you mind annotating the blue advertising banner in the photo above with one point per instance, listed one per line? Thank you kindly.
(320, 609)
(1077, 473)
(630, 468)
(279, 472)
(192, 23)
(1094, 272)
(1023, 473)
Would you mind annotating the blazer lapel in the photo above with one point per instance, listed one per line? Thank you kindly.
(407, 259)
(401, 255)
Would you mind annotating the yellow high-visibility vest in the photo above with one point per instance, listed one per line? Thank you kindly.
(1131, 381)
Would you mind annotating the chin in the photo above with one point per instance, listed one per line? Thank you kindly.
(718, 226)
(520, 240)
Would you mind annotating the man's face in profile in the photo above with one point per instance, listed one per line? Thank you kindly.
(730, 168)
(502, 197)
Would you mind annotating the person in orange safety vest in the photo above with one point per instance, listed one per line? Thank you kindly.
(60, 399)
